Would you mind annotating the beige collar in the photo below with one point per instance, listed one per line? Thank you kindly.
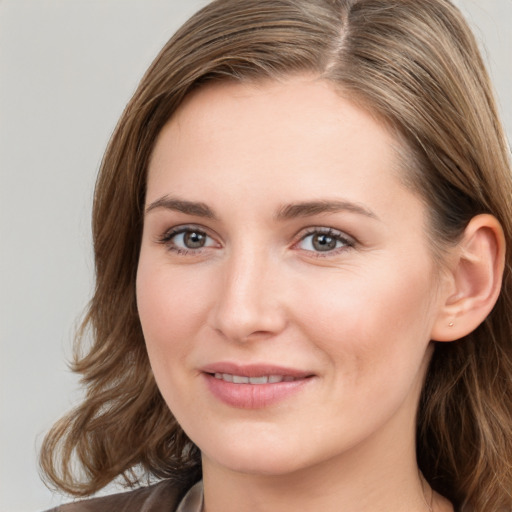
(193, 500)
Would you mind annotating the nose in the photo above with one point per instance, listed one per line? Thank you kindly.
(249, 302)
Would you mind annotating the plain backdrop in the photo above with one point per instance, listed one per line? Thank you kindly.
(67, 69)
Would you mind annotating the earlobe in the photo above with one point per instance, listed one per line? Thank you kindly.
(475, 279)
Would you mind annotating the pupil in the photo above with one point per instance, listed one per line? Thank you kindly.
(194, 240)
(324, 242)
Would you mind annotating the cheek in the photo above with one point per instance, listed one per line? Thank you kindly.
(171, 311)
(171, 308)
(372, 323)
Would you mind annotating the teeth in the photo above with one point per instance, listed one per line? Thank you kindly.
(264, 379)
(237, 379)
(258, 380)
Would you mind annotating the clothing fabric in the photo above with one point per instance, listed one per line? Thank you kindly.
(165, 496)
(193, 500)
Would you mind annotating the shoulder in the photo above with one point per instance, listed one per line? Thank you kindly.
(161, 497)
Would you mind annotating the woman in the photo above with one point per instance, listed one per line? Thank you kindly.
(303, 294)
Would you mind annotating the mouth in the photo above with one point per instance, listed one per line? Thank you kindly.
(264, 379)
(254, 386)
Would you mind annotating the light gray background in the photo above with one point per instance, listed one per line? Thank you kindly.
(67, 68)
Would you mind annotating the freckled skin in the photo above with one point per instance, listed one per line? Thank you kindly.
(358, 317)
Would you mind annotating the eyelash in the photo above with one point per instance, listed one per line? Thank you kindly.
(347, 242)
(167, 239)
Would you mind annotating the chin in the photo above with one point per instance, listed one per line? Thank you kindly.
(264, 464)
(263, 457)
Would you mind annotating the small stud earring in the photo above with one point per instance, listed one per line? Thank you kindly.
(450, 324)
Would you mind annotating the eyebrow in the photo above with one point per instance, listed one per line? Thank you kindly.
(181, 205)
(310, 208)
(286, 212)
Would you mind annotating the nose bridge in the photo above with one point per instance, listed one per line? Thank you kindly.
(248, 301)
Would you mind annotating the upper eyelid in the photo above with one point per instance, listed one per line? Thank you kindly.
(166, 239)
(325, 230)
(350, 242)
(181, 228)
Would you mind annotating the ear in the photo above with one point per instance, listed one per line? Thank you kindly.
(474, 279)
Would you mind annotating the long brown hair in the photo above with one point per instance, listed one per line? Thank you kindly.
(416, 65)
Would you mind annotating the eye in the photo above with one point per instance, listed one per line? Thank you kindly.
(187, 239)
(324, 240)
(190, 239)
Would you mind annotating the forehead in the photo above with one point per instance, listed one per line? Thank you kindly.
(291, 125)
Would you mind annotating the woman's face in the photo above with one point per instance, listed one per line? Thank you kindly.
(286, 285)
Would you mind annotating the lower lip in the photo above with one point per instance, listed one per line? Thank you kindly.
(253, 396)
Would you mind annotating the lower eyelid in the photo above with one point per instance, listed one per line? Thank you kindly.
(168, 239)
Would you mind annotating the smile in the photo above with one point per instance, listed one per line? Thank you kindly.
(264, 379)
(254, 386)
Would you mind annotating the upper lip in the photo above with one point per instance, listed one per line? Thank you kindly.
(254, 370)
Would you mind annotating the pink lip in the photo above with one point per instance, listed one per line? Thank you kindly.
(253, 396)
(254, 370)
